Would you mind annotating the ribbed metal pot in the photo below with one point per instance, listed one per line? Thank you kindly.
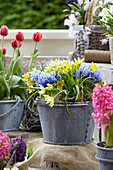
(11, 114)
(104, 156)
(59, 128)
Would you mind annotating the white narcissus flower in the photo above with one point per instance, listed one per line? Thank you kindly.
(104, 12)
(107, 1)
(104, 41)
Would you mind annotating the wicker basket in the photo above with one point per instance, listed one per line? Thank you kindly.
(30, 119)
(94, 38)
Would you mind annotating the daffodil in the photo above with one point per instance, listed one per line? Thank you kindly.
(26, 76)
(78, 63)
(59, 85)
(49, 86)
(30, 89)
(30, 82)
(43, 90)
(93, 67)
(49, 100)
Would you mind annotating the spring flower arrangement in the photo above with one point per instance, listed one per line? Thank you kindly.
(9, 154)
(103, 106)
(63, 80)
(11, 77)
(105, 17)
(77, 16)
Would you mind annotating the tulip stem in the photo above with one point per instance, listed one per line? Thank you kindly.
(2, 48)
(35, 46)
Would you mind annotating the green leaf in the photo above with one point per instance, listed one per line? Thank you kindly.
(78, 91)
(2, 69)
(15, 80)
(5, 85)
(17, 64)
(10, 69)
(1, 164)
(109, 140)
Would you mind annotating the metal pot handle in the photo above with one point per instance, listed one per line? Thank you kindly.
(18, 101)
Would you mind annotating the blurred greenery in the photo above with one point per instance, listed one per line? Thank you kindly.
(33, 14)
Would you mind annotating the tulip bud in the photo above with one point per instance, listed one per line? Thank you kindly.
(20, 44)
(37, 36)
(4, 30)
(20, 36)
(4, 50)
(14, 43)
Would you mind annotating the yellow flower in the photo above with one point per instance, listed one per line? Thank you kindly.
(101, 83)
(26, 76)
(61, 66)
(30, 82)
(49, 100)
(59, 84)
(78, 63)
(30, 89)
(93, 67)
(49, 86)
(43, 90)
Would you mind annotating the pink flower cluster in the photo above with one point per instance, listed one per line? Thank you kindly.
(5, 148)
(102, 103)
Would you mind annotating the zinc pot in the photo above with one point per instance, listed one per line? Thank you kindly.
(111, 48)
(104, 156)
(59, 128)
(11, 114)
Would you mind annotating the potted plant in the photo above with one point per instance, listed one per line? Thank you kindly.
(12, 86)
(67, 87)
(105, 19)
(11, 108)
(103, 117)
(86, 32)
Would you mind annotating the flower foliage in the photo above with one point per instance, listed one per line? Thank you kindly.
(63, 80)
(77, 16)
(103, 105)
(11, 78)
(105, 17)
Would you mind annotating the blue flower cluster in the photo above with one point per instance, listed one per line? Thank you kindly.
(43, 78)
(86, 72)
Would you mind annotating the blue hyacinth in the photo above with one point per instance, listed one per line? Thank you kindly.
(43, 78)
(86, 72)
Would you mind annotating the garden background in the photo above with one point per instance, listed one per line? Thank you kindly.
(33, 14)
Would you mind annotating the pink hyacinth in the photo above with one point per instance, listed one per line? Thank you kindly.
(102, 103)
(5, 148)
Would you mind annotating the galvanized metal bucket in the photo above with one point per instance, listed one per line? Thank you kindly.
(59, 128)
(10, 114)
(104, 156)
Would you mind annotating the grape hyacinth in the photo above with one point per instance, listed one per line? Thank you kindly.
(21, 150)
